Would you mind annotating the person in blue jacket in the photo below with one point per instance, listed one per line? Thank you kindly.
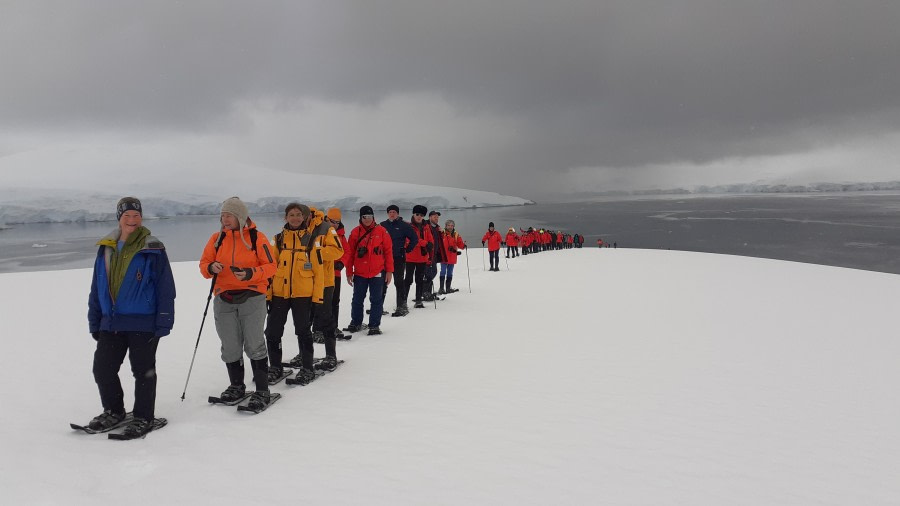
(131, 306)
(403, 239)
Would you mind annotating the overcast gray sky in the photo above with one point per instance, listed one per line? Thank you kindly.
(520, 97)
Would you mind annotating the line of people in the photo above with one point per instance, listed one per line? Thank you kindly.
(256, 283)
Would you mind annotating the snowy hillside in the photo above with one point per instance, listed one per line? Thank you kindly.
(57, 185)
(574, 377)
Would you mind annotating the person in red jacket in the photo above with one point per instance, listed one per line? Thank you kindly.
(418, 260)
(528, 241)
(370, 265)
(512, 243)
(493, 239)
(453, 244)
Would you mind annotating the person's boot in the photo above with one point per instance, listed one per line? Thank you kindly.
(237, 388)
(275, 369)
(449, 283)
(441, 291)
(107, 420)
(260, 368)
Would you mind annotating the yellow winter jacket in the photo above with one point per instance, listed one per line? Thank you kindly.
(299, 270)
(328, 244)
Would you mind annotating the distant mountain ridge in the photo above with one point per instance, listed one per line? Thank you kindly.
(21, 206)
(755, 188)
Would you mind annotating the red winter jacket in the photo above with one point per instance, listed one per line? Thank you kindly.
(377, 257)
(512, 239)
(423, 252)
(453, 244)
(493, 240)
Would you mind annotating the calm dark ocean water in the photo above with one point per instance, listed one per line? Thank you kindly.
(860, 231)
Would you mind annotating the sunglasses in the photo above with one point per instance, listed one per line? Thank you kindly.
(418, 214)
(367, 216)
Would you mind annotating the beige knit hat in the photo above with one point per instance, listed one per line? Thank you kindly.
(236, 207)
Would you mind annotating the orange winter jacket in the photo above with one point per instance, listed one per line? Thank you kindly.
(235, 252)
(423, 252)
(453, 244)
(493, 240)
(369, 252)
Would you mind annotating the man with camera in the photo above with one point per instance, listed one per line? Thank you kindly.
(370, 266)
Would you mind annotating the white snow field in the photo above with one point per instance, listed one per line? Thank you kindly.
(573, 377)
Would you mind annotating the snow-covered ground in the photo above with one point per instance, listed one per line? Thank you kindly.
(574, 377)
(60, 185)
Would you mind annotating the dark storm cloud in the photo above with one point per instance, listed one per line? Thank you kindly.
(600, 83)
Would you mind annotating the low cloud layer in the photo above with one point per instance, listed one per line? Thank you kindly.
(509, 96)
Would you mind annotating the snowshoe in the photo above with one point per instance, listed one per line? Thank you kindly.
(303, 377)
(259, 402)
(327, 364)
(419, 304)
(374, 331)
(296, 362)
(233, 393)
(401, 311)
(139, 428)
(104, 426)
(355, 328)
(277, 374)
(106, 421)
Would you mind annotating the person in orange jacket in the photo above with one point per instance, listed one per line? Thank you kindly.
(512, 243)
(370, 264)
(333, 217)
(239, 260)
(453, 244)
(493, 239)
(328, 250)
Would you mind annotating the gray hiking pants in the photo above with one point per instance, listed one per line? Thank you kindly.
(240, 328)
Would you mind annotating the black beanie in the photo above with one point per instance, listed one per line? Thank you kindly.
(364, 210)
(419, 209)
(393, 207)
(128, 204)
(491, 225)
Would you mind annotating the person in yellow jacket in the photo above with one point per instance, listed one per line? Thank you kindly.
(330, 249)
(299, 282)
(239, 260)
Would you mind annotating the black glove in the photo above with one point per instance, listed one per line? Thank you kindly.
(429, 246)
(482, 244)
(95, 335)
(338, 265)
(423, 250)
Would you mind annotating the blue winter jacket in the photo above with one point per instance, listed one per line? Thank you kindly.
(146, 300)
(401, 231)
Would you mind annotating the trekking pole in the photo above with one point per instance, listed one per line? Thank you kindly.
(507, 263)
(469, 276)
(212, 286)
(482, 258)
